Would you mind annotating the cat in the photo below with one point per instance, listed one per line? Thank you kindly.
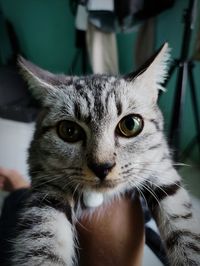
(102, 134)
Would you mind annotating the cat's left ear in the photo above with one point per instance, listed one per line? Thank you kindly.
(150, 77)
(42, 83)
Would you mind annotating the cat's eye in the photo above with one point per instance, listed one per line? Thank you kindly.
(70, 131)
(130, 126)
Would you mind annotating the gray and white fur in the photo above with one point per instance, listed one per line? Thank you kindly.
(61, 171)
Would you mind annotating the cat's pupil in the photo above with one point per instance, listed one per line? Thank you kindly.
(70, 131)
(130, 123)
(130, 126)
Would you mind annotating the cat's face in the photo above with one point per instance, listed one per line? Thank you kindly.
(96, 132)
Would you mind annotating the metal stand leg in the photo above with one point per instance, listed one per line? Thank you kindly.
(184, 69)
(174, 136)
(194, 98)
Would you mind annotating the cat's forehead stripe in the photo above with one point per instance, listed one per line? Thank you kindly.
(94, 98)
(118, 104)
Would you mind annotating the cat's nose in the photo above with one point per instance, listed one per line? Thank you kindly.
(101, 170)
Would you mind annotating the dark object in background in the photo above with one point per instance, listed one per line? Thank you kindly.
(196, 55)
(9, 218)
(16, 102)
(9, 43)
(130, 12)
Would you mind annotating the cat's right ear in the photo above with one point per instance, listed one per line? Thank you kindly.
(42, 83)
(150, 77)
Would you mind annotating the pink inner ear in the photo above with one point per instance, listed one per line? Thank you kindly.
(29, 69)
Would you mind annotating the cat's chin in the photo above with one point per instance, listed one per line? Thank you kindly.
(108, 188)
(105, 186)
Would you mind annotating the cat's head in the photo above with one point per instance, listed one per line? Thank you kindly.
(100, 132)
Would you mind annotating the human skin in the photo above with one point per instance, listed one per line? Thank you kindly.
(113, 236)
(11, 180)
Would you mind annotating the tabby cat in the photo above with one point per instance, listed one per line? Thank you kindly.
(100, 136)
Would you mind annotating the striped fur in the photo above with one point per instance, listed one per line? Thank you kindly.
(60, 171)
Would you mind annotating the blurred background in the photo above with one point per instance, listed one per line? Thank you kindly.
(116, 37)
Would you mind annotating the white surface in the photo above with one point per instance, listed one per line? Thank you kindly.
(15, 138)
(149, 258)
(81, 20)
(94, 5)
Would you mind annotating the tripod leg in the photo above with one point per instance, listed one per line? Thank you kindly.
(174, 135)
(194, 102)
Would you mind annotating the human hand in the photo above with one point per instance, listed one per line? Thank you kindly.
(11, 180)
(113, 235)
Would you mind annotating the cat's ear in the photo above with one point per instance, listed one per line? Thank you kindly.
(153, 73)
(41, 82)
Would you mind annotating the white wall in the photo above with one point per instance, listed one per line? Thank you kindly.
(14, 141)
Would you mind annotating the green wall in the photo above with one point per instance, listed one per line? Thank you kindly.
(170, 27)
(45, 29)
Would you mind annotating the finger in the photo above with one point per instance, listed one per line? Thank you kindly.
(11, 174)
(2, 178)
(16, 174)
(4, 171)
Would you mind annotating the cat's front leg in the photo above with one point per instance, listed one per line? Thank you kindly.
(45, 235)
(180, 230)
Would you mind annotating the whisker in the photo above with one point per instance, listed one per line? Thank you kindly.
(47, 181)
(158, 163)
(140, 191)
(76, 188)
(146, 187)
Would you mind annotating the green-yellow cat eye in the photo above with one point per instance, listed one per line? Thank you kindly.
(70, 131)
(130, 126)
